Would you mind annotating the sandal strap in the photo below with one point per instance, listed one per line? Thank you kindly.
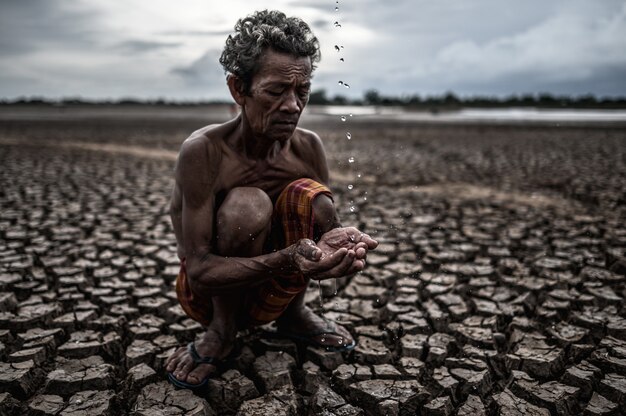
(197, 359)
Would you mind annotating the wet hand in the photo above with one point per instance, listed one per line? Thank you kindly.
(313, 262)
(347, 237)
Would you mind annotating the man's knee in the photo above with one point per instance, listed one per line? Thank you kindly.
(324, 213)
(247, 209)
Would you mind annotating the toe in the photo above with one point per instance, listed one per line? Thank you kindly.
(200, 373)
(174, 359)
(184, 367)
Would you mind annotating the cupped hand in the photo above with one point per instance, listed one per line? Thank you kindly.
(347, 237)
(316, 264)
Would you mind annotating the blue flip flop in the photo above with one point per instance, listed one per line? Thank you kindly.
(307, 338)
(197, 360)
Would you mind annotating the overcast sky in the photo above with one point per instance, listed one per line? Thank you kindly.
(170, 49)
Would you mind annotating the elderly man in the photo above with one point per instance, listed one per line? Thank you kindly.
(253, 216)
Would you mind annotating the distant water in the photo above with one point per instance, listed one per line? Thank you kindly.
(474, 114)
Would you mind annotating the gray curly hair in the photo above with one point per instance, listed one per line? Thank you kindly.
(266, 29)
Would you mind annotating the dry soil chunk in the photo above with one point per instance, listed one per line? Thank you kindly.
(276, 403)
(600, 406)
(91, 403)
(162, 399)
(19, 379)
(408, 393)
(473, 406)
(72, 376)
(507, 404)
(273, 370)
(229, 391)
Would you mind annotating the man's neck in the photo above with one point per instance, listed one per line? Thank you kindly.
(254, 147)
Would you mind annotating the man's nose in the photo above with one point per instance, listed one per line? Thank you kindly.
(290, 104)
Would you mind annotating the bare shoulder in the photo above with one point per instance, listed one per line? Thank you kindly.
(198, 164)
(309, 142)
(309, 147)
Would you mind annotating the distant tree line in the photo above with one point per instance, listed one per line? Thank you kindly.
(450, 101)
(447, 101)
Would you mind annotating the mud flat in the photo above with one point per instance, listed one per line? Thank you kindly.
(498, 287)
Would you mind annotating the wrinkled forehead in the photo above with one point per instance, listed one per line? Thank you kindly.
(279, 66)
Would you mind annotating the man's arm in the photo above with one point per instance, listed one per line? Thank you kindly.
(196, 173)
(334, 235)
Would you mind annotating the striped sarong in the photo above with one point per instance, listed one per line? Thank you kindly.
(293, 212)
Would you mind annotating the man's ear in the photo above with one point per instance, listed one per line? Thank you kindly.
(235, 85)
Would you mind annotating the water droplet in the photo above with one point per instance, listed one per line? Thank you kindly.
(358, 175)
(351, 159)
(340, 341)
(352, 209)
(349, 135)
(350, 114)
(337, 48)
(350, 186)
(319, 285)
(343, 118)
(336, 8)
(364, 198)
(323, 339)
(340, 82)
(341, 59)
(346, 85)
(337, 24)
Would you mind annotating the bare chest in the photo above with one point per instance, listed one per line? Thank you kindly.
(271, 176)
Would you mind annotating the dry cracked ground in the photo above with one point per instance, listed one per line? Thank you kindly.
(498, 287)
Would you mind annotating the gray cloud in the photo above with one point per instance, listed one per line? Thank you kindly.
(204, 69)
(401, 47)
(138, 46)
(26, 26)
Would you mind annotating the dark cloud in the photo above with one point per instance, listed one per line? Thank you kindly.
(320, 24)
(400, 47)
(185, 33)
(205, 69)
(26, 26)
(139, 46)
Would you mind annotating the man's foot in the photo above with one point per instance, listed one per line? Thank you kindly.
(305, 325)
(184, 368)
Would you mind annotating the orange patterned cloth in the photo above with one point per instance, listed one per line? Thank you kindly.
(294, 212)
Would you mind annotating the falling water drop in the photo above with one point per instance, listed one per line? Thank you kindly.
(350, 186)
(336, 8)
(341, 59)
(351, 159)
(346, 85)
(340, 82)
(343, 118)
(337, 24)
(349, 135)
(319, 285)
(352, 208)
(358, 175)
(337, 48)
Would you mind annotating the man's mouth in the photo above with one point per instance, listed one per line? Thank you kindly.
(287, 122)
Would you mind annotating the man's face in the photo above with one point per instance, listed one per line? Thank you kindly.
(278, 93)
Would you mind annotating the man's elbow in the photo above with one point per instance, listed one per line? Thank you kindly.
(201, 280)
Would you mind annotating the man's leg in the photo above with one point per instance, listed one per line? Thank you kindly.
(243, 224)
(300, 318)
